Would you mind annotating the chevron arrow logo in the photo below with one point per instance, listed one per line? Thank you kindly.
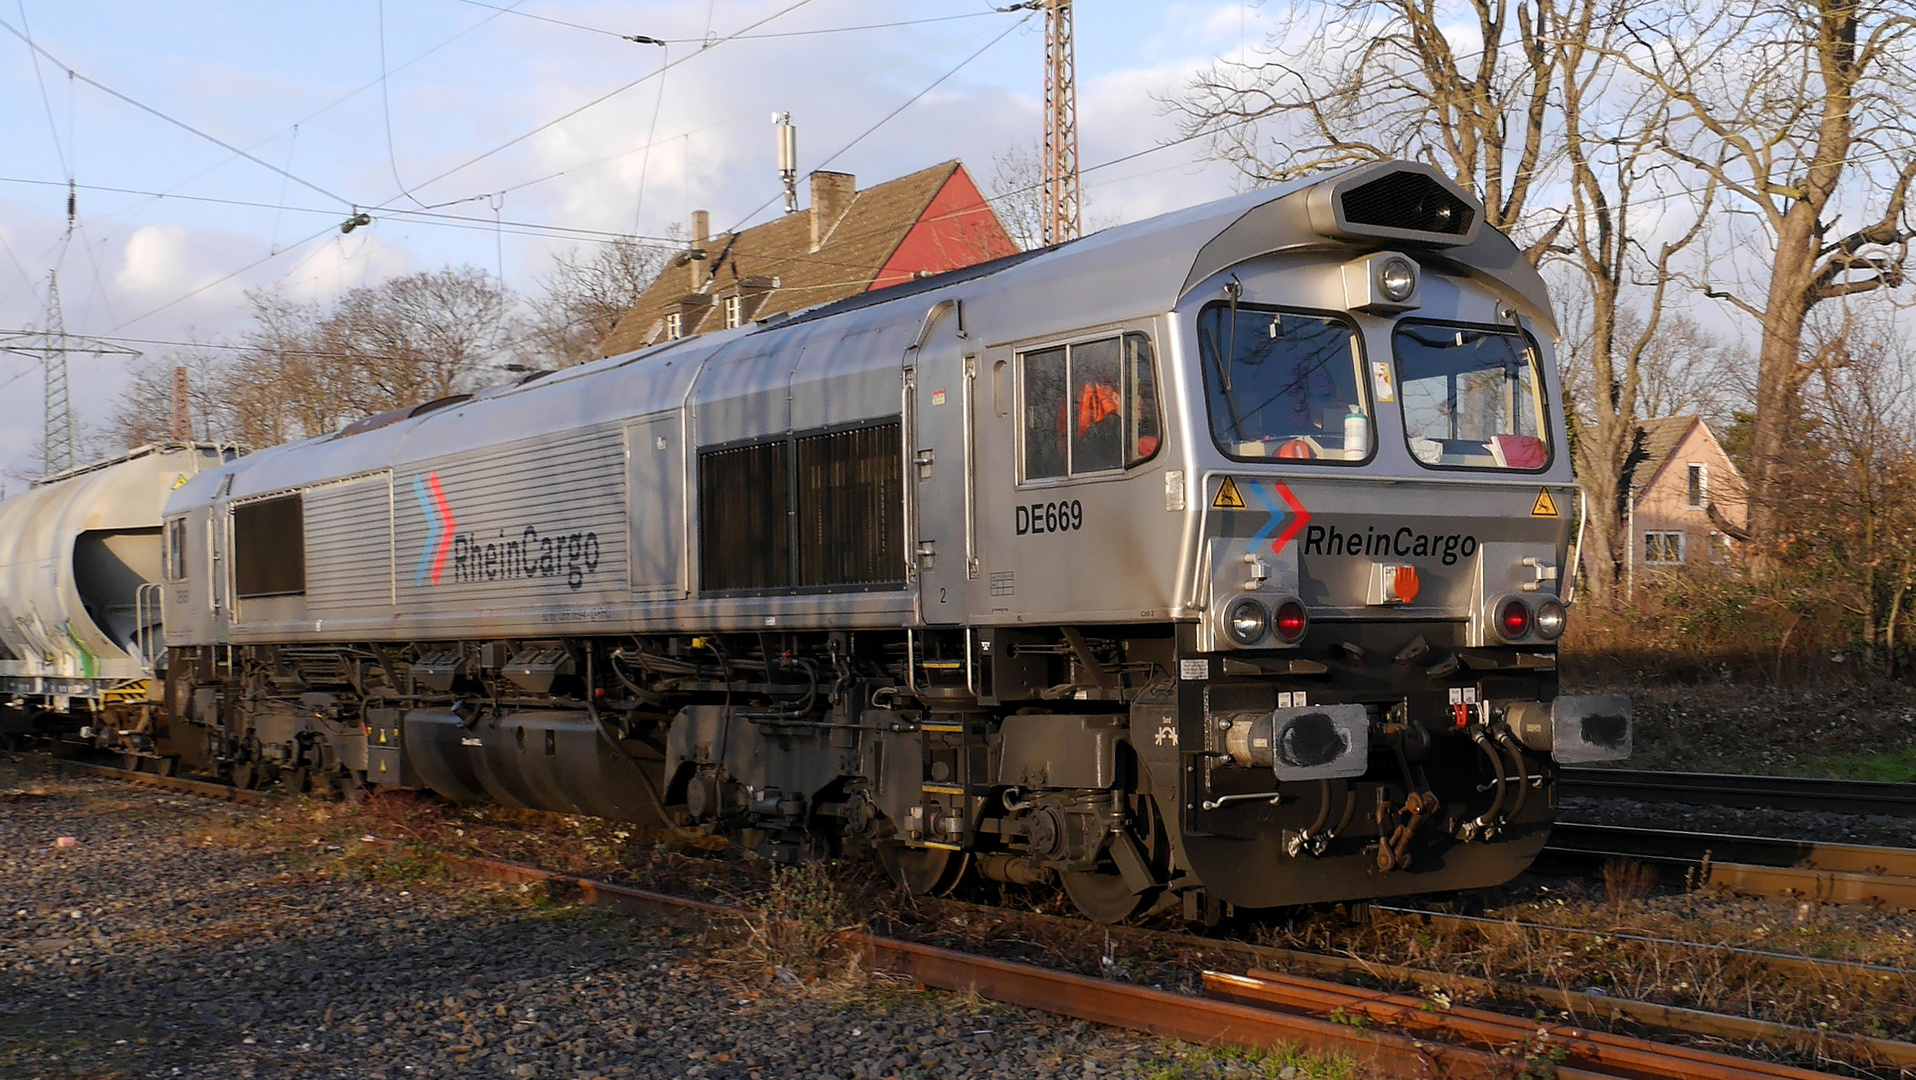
(440, 526)
(1286, 521)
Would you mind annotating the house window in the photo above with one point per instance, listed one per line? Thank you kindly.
(1663, 549)
(1720, 550)
(1699, 486)
(674, 326)
(1089, 407)
(734, 308)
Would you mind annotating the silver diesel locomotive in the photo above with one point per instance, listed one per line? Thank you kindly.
(1216, 560)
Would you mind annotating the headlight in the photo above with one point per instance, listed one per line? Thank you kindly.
(1550, 618)
(1397, 279)
(1245, 621)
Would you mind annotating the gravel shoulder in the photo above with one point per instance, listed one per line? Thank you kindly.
(181, 938)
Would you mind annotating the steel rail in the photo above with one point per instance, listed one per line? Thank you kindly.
(1880, 979)
(1671, 1018)
(1747, 792)
(1666, 1017)
(1598, 1051)
(1206, 1021)
(1691, 848)
(202, 788)
(1825, 873)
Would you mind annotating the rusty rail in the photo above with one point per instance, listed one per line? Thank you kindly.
(1602, 1052)
(1120, 1004)
(1200, 1020)
(1879, 979)
(1753, 865)
(202, 788)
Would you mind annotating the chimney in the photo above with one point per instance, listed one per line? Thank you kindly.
(832, 195)
(701, 232)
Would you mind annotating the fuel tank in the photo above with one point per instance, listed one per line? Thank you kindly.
(554, 760)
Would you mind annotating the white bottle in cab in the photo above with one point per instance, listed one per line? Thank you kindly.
(1356, 434)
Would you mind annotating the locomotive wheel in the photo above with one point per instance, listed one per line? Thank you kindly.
(924, 871)
(246, 775)
(1104, 898)
(297, 781)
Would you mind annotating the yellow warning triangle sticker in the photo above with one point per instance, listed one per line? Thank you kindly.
(1546, 506)
(1228, 497)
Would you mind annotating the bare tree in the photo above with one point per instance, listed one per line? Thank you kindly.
(586, 295)
(144, 411)
(1797, 113)
(1866, 408)
(1610, 138)
(301, 370)
(1017, 194)
(1379, 79)
(419, 337)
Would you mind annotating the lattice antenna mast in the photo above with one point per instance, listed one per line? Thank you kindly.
(51, 347)
(181, 428)
(1061, 203)
(59, 418)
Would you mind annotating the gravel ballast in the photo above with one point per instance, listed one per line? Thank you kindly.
(1873, 830)
(172, 940)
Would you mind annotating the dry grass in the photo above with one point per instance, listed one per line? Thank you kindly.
(1626, 883)
(1672, 971)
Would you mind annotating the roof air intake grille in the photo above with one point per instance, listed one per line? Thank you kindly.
(1410, 201)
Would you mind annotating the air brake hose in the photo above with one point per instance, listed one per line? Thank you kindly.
(1489, 816)
(1505, 740)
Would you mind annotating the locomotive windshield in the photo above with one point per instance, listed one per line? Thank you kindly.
(1470, 397)
(1283, 384)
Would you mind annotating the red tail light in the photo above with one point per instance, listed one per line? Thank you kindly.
(1291, 621)
(1514, 619)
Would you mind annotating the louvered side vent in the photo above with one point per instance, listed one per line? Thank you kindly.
(851, 520)
(744, 534)
(1409, 201)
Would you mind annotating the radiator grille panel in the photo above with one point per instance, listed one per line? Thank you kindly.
(744, 532)
(850, 512)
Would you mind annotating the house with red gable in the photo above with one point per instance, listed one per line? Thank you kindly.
(845, 243)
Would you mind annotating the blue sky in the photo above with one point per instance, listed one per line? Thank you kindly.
(463, 81)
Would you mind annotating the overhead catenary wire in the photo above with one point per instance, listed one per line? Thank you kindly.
(887, 118)
(736, 37)
(601, 99)
(386, 104)
(170, 119)
(26, 34)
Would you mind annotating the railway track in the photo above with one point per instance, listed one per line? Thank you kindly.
(1746, 792)
(1752, 865)
(1311, 1012)
(1417, 1036)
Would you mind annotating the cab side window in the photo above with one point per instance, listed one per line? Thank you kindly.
(176, 550)
(1089, 407)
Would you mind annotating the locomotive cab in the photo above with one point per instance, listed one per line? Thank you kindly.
(1382, 566)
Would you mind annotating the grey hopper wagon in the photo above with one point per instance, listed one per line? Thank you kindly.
(1212, 561)
(79, 596)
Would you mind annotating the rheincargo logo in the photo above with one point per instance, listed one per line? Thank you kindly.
(570, 557)
(439, 528)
